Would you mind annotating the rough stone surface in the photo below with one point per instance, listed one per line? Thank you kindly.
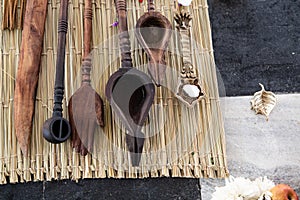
(21, 191)
(118, 189)
(256, 147)
(164, 188)
(257, 41)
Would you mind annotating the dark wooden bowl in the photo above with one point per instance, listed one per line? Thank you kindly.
(130, 93)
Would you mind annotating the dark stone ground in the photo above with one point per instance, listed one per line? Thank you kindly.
(254, 41)
(257, 41)
(163, 188)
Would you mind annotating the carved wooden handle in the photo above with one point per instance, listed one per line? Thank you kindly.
(151, 6)
(124, 41)
(86, 70)
(88, 16)
(87, 62)
(189, 90)
(60, 61)
(186, 45)
(183, 19)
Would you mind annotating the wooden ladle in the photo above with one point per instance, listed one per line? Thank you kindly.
(85, 106)
(57, 129)
(153, 32)
(130, 91)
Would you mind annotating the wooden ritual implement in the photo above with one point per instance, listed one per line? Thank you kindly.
(85, 106)
(189, 90)
(28, 70)
(57, 129)
(153, 31)
(130, 91)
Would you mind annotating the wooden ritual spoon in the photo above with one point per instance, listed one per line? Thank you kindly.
(153, 32)
(130, 91)
(189, 90)
(57, 129)
(85, 106)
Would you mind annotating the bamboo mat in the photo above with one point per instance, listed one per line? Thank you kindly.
(181, 142)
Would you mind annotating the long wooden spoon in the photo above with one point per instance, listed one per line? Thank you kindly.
(57, 129)
(130, 91)
(85, 106)
(153, 31)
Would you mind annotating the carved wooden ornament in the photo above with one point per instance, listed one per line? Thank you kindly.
(189, 90)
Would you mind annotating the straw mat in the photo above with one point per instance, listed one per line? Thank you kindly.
(180, 141)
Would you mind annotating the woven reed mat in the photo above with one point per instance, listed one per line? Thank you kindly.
(181, 142)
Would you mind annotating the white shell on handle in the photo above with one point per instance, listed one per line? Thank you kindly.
(191, 90)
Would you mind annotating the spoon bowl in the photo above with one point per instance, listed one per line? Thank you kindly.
(56, 130)
(131, 94)
(153, 32)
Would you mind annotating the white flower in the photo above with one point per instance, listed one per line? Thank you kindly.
(264, 184)
(266, 196)
(243, 189)
(185, 2)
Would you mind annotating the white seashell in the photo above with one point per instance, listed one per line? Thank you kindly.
(185, 2)
(191, 90)
(263, 102)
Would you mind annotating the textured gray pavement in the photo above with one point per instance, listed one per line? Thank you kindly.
(256, 147)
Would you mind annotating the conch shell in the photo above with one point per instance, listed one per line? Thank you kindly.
(263, 102)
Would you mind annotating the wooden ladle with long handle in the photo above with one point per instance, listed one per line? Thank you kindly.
(85, 106)
(130, 91)
(57, 129)
(153, 32)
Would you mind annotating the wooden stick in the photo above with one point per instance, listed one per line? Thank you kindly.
(28, 71)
